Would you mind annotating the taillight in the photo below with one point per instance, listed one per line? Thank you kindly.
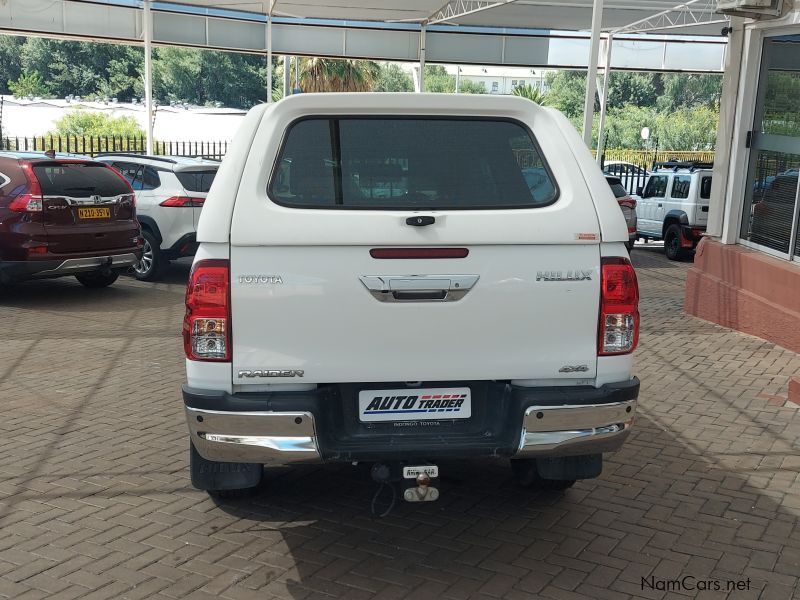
(627, 202)
(618, 332)
(207, 324)
(183, 201)
(30, 201)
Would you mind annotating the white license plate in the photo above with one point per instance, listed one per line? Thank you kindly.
(431, 471)
(432, 404)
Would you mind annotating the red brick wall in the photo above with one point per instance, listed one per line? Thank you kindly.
(746, 290)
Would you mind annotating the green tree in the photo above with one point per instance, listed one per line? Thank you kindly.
(28, 84)
(393, 78)
(80, 122)
(10, 60)
(639, 89)
(532, 93)
(566, 92)
(338, 75)
(688, 90)
(465, 86)
(438, 80)
(79, 67)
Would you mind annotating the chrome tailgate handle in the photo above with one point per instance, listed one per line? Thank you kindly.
(419, 288)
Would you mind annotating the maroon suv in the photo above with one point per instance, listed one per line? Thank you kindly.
(65, 215)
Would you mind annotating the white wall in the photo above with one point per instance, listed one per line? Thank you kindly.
(22, 118)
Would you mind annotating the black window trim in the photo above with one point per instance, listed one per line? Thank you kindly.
(363, 117)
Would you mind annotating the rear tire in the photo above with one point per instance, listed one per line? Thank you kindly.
(223, 479)
(97, 279)
(629, 245)
(672, 243)
(152, 263)
(526, 474)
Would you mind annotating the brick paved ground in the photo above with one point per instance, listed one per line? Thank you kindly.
(95, 500)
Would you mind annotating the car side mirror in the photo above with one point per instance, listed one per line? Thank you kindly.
(640, 192)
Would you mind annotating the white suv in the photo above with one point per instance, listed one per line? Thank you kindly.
(674, 206)
(170, 191)
(381, 280)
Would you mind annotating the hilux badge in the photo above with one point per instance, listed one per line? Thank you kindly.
(577, 275)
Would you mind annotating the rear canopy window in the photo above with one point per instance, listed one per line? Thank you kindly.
(79, 180)
(410, 164)
(196, 181)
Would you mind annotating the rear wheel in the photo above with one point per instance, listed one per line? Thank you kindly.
(672, 243)
(526, 474)
(97, 279)
(629, 245)
(152, 262)
(223, 479)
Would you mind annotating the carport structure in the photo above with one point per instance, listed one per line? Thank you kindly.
(504, 32)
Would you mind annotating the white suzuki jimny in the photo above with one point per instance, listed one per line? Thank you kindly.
(400, 279)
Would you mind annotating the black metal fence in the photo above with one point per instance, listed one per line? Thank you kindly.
(94, 145)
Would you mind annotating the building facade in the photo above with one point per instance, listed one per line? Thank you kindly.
(746, 273)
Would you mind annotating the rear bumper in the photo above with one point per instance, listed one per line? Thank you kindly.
(41, 269)
(317, 426)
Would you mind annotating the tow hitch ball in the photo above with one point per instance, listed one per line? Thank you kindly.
(420, 483)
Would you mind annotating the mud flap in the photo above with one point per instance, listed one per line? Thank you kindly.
(212, 476)
(570, 467)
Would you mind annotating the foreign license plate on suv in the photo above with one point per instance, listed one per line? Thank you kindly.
(103, 212)
(432, 404)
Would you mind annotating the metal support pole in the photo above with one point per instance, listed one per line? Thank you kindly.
(601, 132)
(458, 78)
(422, 58)
(147, 29)
(591, 78)
(287, 75)
(269, 51)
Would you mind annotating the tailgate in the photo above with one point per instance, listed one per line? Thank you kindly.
(319, 317)
(315, 294)
(87, 207)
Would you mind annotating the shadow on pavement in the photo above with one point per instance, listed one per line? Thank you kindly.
(661, 508)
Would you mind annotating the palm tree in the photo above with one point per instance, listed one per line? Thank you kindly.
(533, 94)
(335, 75)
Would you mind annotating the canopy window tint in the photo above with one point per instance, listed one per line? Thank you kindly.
(411, 164)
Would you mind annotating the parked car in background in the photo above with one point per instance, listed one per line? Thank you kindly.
(477, 309)
(630, 175)
(65, 215)
(628, 206)
(170, 191)
(674, 206)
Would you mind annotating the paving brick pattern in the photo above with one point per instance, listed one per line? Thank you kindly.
(95, 500)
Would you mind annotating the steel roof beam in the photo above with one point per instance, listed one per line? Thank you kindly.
(461, 8)
(688, 14)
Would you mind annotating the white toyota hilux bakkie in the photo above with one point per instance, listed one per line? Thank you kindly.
(404, 279)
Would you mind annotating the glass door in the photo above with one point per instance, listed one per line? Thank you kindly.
(770, 214)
